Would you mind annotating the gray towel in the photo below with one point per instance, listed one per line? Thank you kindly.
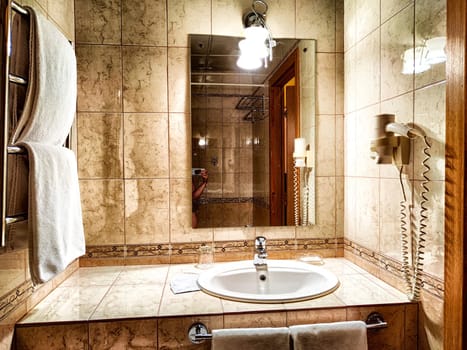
(330, 336)
(251, 339)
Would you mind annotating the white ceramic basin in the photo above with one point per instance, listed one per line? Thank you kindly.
(284, 281)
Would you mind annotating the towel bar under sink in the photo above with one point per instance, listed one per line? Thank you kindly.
(198, 332)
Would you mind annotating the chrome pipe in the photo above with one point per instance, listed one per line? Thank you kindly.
(16, 79)
(16, 150)
(19, 9)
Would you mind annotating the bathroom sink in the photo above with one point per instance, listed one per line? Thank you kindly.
(284, 281)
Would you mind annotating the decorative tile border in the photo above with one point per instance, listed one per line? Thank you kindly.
(12, 300)
(431, 284)
(192, 248)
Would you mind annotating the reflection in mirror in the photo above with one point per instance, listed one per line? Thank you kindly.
(244, 129)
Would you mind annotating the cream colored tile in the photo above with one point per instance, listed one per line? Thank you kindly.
(359, 290)
(99, 78)
(351, 80)
(192, 303)
(98, 22)
(127, 301)
(227, 17)
(368, 17)
(100, 140)
(340, 25)
(144, 23)
(93, 276)
(350, 148)
(62, 13)
(326, 145)
(340, 207)
(123, 334)
(276, 232)
(143, 274)
(146, 149)
(350, 202)
(230, 306)
(178, 80)
(430, 22)
(390, 216)
(350, 24)
(390, 7)
(69, 336)
(317, 19)
(326, 202)
(145, 79)
(366, 211)
(179, 148)
(363, 133)
(103, 211)
(368, 70)
(146, 211)
(280, 18)
(430, 116)
(184, 18)
(327, 301)
(326, 83)
(396, 37)
(67, 304)
(340, 84)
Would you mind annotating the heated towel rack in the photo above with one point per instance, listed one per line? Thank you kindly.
(8, 9)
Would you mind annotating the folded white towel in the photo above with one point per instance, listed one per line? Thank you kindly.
(349, 335)
(55, 220)
(251, 339)
(185, 282)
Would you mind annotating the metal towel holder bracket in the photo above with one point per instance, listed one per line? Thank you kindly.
(198, 332)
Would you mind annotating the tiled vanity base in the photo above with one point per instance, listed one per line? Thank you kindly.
(133, 307)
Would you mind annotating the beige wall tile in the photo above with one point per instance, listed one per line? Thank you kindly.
(234, 10)
(326, 83)
(280, 18)
(363, 133)
(430, 114)
(350, 80)
(178, 80)
(368, 69)
(317, 20)
(69, 336)
(396, 37)
(146, 211)
(146, 149)
(98, 22)
(144, 79)
(339, 109)
(340, 7)
(368, 17)
(144, 23)
(103, 211)
(325, 138)
(123, 334)
(390, 7)
(350, 24)
(99, 78)
(366, 212)
(316, 316)
(184, 18)
(100, 140)
(62, 13)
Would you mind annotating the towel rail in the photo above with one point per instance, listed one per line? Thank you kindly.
(198, 332)
(6, 8)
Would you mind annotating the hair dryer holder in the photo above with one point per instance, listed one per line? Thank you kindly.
(387, 147)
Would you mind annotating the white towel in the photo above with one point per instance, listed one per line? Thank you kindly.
(251, 339)
(183, 283)
(349, 335)
(54, 210)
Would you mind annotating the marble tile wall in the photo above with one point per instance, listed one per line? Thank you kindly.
(134, 122)
(16, 292)
(376, 33)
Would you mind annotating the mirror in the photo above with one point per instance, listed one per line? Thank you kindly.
(245, 126)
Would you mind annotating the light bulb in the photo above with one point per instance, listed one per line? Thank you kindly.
(249, 62)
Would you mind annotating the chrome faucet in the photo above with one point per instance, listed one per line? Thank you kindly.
(261, 253)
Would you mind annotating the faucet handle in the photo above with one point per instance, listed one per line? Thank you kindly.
(260, 243)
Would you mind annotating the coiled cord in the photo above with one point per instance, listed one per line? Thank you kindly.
(306, 194)
(414, 282)
(296, 199)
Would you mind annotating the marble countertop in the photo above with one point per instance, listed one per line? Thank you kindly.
(116, 292)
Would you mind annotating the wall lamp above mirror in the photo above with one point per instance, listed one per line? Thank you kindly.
(256, 48)
(244, 125)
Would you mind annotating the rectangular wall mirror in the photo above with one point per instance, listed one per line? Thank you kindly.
(246, 126)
